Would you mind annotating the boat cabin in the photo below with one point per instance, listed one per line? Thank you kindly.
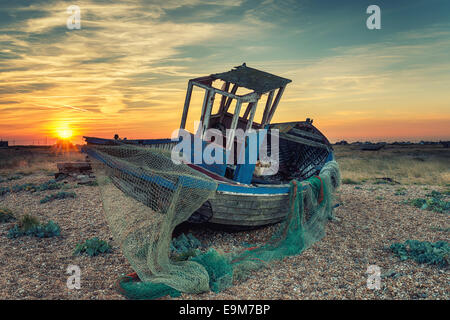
(257, 83)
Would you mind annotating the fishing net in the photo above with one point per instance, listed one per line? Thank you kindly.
(145, 196)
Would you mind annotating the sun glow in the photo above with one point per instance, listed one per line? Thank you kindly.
(63, 132)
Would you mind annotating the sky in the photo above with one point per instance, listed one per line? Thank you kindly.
(126, 70)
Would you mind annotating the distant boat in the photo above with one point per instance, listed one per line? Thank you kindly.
(243, 198)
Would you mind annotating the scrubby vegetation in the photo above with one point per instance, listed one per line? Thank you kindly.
(10, 178)
(59, 196)
(400, 192)
(92, 183)
(6, 215)
(385, 180)
(4, 190)
(434, 201)
(437, 253)
(32, 187)
(92, 247)
(30, 226)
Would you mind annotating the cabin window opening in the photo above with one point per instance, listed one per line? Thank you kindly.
(195, 108)
(232, 108)
(243, 91)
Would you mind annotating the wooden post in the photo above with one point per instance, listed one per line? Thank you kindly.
(247, 110)
(225, 87)
(234, 122)
(208, 110)
(275, 104)
(267, 108)
(187, 101)
(228, 103)
(252, 115)
(202, 115)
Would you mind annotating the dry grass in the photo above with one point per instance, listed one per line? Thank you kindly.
(27, 160)
(405, 164)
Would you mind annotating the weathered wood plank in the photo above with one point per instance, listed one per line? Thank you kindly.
(296, 139)
(202, 115)
(187, 102)
(267, 108)
(252, 116)
(207, 114)
(230, 139)
(275, 104)
(228, 102)
(253, 223)
(228, 94)
(73, 167)
(248, 205)
(225, 87)
(307, 134)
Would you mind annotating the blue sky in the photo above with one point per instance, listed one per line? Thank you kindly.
(127, 68)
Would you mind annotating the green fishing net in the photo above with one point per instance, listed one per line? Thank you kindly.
(145, 196)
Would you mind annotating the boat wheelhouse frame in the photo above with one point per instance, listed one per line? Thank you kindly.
(259, 82)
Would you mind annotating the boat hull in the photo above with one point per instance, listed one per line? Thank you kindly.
(261, 203)
(248, 210)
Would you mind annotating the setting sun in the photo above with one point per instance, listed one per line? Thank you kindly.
(65, 133)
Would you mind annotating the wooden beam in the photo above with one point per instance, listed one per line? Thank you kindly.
(202, 114)
(204, 80)
(267, 108)
(207, 114)
(252, 116)
(234, 122)
(307, 134)
(225, 87)
(228, 94)
(228, 103)
(247, 110)
(307, 142)
(275, 104)
(187, 102)
(249, 97)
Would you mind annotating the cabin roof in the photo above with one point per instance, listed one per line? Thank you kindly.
(254, 79)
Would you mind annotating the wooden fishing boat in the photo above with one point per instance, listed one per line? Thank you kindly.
(246, 195)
